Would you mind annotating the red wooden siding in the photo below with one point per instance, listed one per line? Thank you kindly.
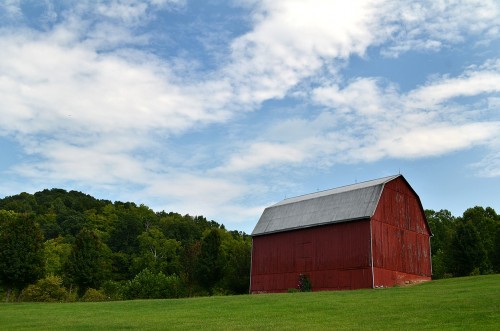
(401, 249)
(339, 255)
(335, 256)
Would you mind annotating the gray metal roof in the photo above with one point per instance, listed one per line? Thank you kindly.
(337, 205)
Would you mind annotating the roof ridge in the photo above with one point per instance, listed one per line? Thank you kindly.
(381, 180)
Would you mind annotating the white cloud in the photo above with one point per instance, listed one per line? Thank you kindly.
(488, 167)
(46, 87)
(432, 25)
(263, 154)
(202, 194)
(431, 140)
(129, 11)
(369, 120)
(89, 104)
(290, 41)
(482, 80)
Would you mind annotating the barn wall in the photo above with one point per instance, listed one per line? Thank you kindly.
(335, 256)
(401, 248)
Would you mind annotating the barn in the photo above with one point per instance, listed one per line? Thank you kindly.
(366, 235)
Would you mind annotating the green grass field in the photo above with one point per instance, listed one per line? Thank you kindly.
(471, 303)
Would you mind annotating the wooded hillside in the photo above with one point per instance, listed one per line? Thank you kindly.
(124, 250)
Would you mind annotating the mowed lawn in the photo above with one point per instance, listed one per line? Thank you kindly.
(471, 303)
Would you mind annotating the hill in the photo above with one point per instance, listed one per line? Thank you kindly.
(470, 303)
(118, 243)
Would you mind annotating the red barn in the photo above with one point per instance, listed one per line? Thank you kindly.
(366, 235)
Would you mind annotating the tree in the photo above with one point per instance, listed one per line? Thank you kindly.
(123, 237)
(157, 252)
(89, 263)
(23, 203)
(442, 224)
(190, 255)
(496, 255)
(467, 251)
(180, 228)
(209, 267)
(486, 221)
(57, 252)
(21, 251)
(71, 223)
(236, 270)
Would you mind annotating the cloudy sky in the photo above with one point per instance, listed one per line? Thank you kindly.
(221, 108)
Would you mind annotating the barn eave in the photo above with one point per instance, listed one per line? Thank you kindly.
(310, 226)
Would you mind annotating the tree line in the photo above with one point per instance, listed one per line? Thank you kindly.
(466, 245)
(58, 246)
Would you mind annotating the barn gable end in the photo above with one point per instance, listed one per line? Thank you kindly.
(343, 238)
(401, 248)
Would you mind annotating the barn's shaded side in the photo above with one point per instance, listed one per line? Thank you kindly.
(365, 235)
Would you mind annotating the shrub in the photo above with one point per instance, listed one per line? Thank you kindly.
(304, 283)
(93, 295)
(147, 285)
(48, 289)
(475, 272)
(114, 290)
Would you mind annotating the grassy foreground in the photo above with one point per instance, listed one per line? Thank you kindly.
(471, 303)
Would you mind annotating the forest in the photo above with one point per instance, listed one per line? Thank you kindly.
(63, 246)
(466, 245)
(58, 245)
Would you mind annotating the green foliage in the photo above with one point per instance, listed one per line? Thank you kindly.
(467, 251)
(131, 238)
(120, 266)
(487, 223)
(57, 252)
(209, 267)
(496, 252)
(89, 263)
(114, 290)
(158, 253)
(439, 264)
(23, 203)
(93, 295)
(21, 251)
(304, 283)
(236, 270)
(149, 285)
(189, 257)
(48, 289)
(123, 237)
(71, 222)
(464, 245)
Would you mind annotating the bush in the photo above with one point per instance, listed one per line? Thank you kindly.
(48, 289)
(93, 295)
(114, 290)
(147, 285)
(475, 272)
(304, 283)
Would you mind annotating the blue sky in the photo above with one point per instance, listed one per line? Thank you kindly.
(221, 108)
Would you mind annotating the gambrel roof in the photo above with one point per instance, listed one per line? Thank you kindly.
(347, 203)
